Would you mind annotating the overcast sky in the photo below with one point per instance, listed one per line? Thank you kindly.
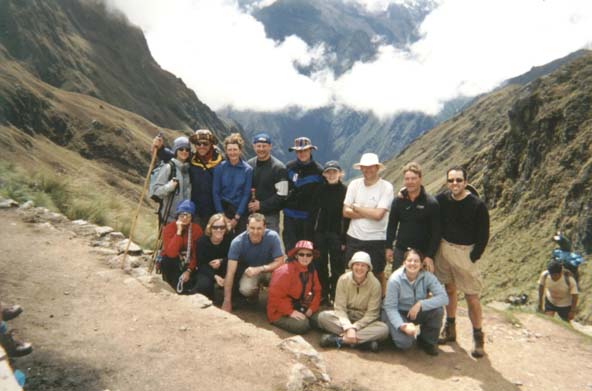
(468, 47)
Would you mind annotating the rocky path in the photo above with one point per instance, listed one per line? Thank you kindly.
(98, 328)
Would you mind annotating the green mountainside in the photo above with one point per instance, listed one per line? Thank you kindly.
(528, 150)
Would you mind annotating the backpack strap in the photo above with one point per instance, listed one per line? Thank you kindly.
(566, 275)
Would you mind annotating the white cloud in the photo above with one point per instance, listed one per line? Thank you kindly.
(468, 47)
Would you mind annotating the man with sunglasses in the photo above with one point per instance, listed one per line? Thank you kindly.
(252, 256)
(204, 161)
(465, 233)
(270, 181)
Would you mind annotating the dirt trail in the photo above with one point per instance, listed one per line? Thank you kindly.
(96, 328)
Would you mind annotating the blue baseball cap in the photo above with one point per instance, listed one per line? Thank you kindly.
(262, 138)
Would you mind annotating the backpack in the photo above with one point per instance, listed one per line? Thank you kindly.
(566, 275)
(154, 175)
(570, 261)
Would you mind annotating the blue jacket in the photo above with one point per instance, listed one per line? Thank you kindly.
(401, 295)
(233, 185)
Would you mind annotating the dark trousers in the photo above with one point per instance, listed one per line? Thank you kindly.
(429, 321)
(329, 246)
(171, 269)
(295, 230)
(374, 248)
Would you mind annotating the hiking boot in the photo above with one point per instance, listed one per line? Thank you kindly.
(429, 348)
(370, 346)
(448, 334)
(330, 341)
(11, 312)
(478, 344)
(14, 347)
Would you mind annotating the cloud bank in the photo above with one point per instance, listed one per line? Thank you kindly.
(467, 47)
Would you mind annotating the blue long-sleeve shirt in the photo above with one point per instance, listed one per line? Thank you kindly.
(401, 294)
(233, 185)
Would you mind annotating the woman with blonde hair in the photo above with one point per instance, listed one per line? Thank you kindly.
(213, 255)
(232, 184)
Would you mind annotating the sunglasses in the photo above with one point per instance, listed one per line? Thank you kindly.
(307, 255)
(219, 227)
(184, 149)
(457, 180)
(202, 144)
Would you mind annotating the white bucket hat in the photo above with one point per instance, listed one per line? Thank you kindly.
(369, 159)
(361, 257)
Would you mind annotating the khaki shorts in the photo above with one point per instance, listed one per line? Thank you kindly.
(249, 286)
(453, 265)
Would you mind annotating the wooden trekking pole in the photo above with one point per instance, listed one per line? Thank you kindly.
(135, 218)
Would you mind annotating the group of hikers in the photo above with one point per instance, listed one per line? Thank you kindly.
(221, 225)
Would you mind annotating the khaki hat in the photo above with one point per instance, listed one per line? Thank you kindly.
(361, 257)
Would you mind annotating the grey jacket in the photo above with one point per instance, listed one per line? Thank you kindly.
(164, 190)
(401, 294)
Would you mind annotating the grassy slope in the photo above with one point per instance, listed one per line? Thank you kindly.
(531, 151)
(97, 186)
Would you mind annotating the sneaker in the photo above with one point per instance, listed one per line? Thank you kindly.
(448, 334)
(14, 347)
(478, 344)
(371, 346)
(11, 312)
(330, 341)
(429, 348)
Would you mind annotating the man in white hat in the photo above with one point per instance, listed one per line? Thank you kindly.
(367, 203)
(355, 319)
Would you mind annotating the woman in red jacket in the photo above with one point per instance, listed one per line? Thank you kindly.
(295, 291)
(179, 250)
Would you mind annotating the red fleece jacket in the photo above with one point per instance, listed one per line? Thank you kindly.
(172, 244)
(285, 285)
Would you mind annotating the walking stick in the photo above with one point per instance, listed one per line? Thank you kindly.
(161, 224)
(135, 218)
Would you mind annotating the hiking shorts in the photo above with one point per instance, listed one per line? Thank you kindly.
(453, 265)
(563, 312)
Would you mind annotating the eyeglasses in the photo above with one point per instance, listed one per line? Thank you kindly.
(183, 149)
(184, 214)
(457, 180)
(202, 144)
(218, 227)
(307, 255)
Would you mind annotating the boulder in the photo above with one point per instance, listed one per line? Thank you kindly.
(102, 231)
(27, 205)
(7, 204)
(132, 249)
(306, 354)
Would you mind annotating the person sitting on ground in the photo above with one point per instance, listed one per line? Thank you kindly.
(252, 256)
(295, 291)
(212, 256)
(12, 346)
(355, 319)
(560, 290)
(179, 259)
(408, 303)
(178, 187)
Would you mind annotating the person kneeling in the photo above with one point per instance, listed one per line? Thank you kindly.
(406, 305)
(295, 291)
(355, 318)
(179, 259)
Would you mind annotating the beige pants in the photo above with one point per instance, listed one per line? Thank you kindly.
(375, 331)
(453, 265)
(249, 286)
